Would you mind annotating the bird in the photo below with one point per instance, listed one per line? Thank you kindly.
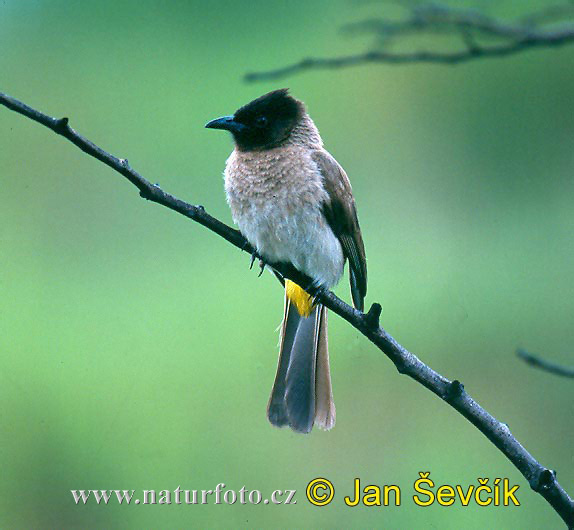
(294, 204)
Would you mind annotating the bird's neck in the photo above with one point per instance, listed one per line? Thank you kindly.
(305, 134)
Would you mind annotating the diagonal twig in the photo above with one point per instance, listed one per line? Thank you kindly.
(541, 479)
(529, 32)
(543, 364)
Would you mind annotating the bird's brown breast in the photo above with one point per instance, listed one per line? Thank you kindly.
(287, 177)
(276, 198)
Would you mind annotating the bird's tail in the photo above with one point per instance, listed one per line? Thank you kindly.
(302, 394)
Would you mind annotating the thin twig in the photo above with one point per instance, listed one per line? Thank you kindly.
(543, 364)
(435, 18)
(515, 37)
(540, 478)
(550, 14)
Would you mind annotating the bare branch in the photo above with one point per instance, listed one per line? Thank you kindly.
(532, 31)
(540, 478)
(436, 18)
(550, 14)
(543, 364)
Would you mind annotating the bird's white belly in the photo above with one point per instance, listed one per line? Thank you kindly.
(302, 238)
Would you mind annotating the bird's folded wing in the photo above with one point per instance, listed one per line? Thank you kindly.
(341, 214)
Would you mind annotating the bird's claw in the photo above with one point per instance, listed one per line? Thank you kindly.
(317, 291)
(261, 264)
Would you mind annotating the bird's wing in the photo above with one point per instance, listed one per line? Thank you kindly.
(341, 214)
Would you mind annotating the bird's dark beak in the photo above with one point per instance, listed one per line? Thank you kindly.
(227, 123)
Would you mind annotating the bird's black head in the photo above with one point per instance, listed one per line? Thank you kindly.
(264, 123)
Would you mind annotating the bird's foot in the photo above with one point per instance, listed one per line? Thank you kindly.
(316, 291)
(261, 264)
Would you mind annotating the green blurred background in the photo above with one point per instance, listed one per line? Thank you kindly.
(138, 350)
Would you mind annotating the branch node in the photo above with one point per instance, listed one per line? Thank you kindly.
(546, 481)
(124, 163)
(62, 125)
(371, 318)
(454, 390)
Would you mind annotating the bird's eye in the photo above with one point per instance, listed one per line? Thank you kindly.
(261, 121)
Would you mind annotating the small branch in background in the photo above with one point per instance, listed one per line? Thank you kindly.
(541, 479)
(550, 14)
(543, 364)
(476, 31)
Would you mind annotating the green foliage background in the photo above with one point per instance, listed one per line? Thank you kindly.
(137, 350)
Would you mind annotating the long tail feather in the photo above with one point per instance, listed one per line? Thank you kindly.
(276, 411)
(324, 404)
(300, 380)
(302, 394)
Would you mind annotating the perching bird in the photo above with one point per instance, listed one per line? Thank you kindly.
(293, 202)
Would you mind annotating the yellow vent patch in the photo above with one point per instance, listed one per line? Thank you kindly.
(300, 298)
